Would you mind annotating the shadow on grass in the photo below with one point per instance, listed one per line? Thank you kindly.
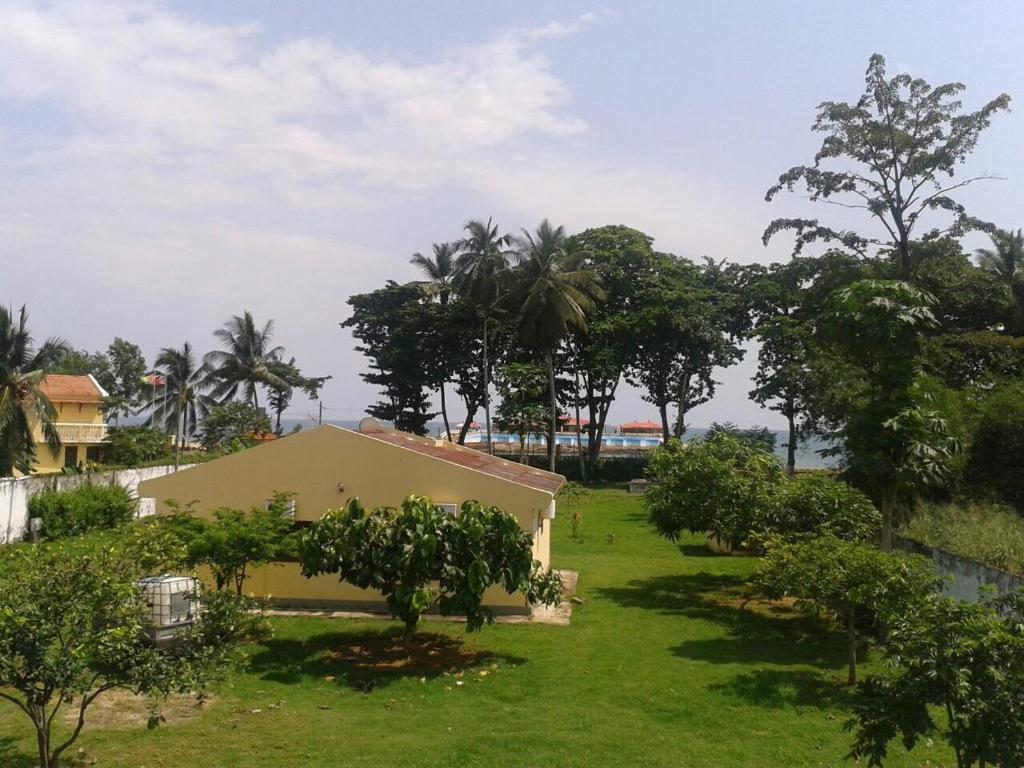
(756, 633)
(367, 659)
(699, 550)
(12, 757)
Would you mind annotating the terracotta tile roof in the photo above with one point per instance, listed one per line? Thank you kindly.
(467, 457)
(61, 388)
(640, 425)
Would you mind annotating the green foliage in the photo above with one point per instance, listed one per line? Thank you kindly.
(858, 585)
(989, 533)
(79, 510)
(975, 358)
(133, 446)
(246, 362)
(963, 659)
(817, 504)
(757, 435)
(71, 624)
(232, 426)
(418, 557)
(722, 485)
(996, 456)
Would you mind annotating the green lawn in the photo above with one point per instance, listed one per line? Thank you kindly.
(663, 666)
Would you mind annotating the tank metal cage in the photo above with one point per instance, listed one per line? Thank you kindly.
(173, 606)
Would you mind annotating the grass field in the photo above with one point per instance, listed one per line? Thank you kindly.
(664, 665)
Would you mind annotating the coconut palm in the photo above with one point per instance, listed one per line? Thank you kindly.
(1005, 260)
(23, 406)
(183, 401)
(247, 360)
(552, 296)
(481, 278)
(440, 274)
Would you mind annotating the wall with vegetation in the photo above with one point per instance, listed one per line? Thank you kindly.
(965, 577)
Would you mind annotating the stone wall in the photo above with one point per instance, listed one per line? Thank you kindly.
(964, 577)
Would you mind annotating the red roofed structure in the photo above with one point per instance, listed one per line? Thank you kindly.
(640, 428)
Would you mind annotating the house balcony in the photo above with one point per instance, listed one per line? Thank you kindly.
(71, 433)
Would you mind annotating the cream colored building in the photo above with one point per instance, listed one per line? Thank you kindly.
(326, 466)
(80, 423)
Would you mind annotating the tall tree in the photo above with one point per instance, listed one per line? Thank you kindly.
(280, 396)
(127, 369)
(1005, 260)
(183, 400)
(896, 151)
(23, 406)
(481, 278)
(552, 297)
(439, 271)
(246, 361)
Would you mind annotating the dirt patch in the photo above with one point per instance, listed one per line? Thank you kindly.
(431, 654)
(124, 710)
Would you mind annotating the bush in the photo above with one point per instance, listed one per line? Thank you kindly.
(815, 503)
(997, 448)
(990, 533)
(232, 426)
(85, 508)
(132, 446)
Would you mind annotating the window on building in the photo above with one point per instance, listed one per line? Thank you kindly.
(93, 454)
(70, 455)
(289, 507)
(450, 509)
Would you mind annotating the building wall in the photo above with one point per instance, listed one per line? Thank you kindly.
(67, 413)
(324, 468)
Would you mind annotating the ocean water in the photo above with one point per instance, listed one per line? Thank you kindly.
(807, 456)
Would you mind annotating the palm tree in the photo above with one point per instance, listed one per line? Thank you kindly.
(1006, 261)
(553, 296)
(246, 361)
(23, 405)
(183, 402)
(481, 277)
(440, 274)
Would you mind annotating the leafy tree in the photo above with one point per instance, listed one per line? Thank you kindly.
(85, 508)
(183, 399)
(237, 540)
(481, 278)
(392, 324)
(726, 487)
(552, 298)
(280, 396)
(247, 360)
(893, 151)
(975, 358)
(817, 505)
(81, 362)
(420, 558)
(70, 629)
(234, 424)
(757, 435)
(521, 387)
(439, 272)
(963, 659)
(996, 452)
(126, 385)
(22, 402)
(625, 265)
(857, 585)
(1005, 261)
(132, 446)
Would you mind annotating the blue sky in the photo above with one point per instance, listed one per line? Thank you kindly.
(164, 165)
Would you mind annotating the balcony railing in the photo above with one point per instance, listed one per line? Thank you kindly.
(82, 433)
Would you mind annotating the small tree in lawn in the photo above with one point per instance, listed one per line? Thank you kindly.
(964, 659)
(419, 558)
(858, 585)
(71, 623)
(236, 540)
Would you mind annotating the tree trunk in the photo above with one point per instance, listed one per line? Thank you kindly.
(444, 414)
(179, 438)
(904, 252)
(409, 635)
(553, 423)
(487, 395)
(851, 646)
(791, 446)
(663, 410)
(579, 436)
(684, 390)
(43, 743)
(470, 413)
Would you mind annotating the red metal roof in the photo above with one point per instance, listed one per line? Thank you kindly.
(61, 388)
(640, 425)
(520, 474)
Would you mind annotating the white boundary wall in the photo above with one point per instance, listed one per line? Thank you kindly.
(15, 493)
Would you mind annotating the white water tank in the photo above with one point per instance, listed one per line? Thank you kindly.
(173, 606)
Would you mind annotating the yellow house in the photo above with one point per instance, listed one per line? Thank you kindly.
(80, 422)
(326, 466)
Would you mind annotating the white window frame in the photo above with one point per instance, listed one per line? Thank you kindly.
(450, 508)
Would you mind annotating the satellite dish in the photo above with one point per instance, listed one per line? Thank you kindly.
(370, 424)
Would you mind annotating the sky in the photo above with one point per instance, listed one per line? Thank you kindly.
(166, 165)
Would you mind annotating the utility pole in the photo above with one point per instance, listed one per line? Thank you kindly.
(320, 418)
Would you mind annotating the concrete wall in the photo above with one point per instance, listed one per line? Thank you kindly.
(15, 493)
(964, 577)
(324, 467)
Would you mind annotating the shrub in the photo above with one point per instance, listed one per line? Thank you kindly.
(997, 447)
(815, 503)
(232, 426)
(990, 533)
(132, 446)
(85, 508)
